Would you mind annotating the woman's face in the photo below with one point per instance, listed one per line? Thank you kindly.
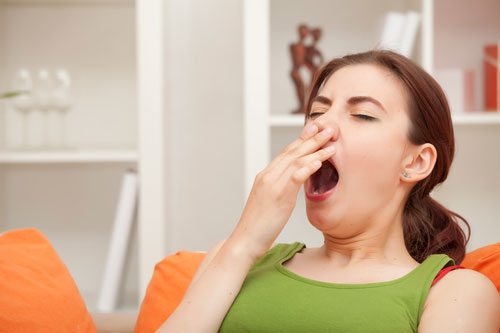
(366, 106)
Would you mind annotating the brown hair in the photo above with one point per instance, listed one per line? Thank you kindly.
(428, 226)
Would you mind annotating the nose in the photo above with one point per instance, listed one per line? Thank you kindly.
(323, 122)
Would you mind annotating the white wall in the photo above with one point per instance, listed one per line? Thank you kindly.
(473, 185)
(205, 121)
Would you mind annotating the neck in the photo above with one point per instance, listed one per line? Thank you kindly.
(381, 243)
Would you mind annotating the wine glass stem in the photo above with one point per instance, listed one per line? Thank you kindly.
(45, 129)
(63, 127)
(25, 130)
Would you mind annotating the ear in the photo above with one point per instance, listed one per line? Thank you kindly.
(419, 164)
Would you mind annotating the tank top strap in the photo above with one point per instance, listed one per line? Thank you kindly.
(428, 270)
(278, 252)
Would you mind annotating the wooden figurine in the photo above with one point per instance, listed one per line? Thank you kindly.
(307, 56)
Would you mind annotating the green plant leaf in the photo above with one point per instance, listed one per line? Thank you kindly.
(11, 94)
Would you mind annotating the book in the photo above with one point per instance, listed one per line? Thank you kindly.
(120, 236)
(491, 77)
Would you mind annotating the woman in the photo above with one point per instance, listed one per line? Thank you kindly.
(378, 138)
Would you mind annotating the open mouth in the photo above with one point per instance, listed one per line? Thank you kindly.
(324, 179)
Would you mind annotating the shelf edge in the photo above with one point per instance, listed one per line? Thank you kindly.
(489, 118)
(68, 157)
(65, 3)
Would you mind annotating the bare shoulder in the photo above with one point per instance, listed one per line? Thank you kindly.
(462, 301)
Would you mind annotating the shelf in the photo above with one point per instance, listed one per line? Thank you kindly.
(65, 2)
(26, 157)
(475, 118)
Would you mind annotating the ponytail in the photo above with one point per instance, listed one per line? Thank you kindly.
(430, 228)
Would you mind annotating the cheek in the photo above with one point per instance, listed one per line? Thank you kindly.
(373, 158)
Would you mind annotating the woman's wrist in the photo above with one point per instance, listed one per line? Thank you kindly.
(242, 245)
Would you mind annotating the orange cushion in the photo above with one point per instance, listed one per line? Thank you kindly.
(166, 289)
(37, 293)
(485, 260)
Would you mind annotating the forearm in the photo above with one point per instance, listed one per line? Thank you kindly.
(209, 298)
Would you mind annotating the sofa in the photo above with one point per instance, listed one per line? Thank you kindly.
(39, 294)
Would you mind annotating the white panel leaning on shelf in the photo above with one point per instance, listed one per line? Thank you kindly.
(122, 226)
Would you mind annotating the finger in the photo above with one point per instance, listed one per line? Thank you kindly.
(307, 165)
(310, 129)
(290, 154)
(309, 146)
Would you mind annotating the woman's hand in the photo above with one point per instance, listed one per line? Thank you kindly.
(275, 189)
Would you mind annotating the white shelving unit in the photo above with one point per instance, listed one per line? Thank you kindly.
(113, 50)
(444, 40)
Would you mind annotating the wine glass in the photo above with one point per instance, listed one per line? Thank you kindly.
(24, 103)
(43, 93)
(61, 99)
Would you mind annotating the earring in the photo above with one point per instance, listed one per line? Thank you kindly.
(406, 175)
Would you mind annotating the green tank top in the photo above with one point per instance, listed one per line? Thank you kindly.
(274, 299)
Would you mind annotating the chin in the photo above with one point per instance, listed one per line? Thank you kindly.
(320, 219)
(334, 228)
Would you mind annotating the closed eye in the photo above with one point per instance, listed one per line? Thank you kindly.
(361, 116)
(364, 117)
(315, 114)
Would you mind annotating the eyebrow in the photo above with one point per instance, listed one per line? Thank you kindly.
(351, 101)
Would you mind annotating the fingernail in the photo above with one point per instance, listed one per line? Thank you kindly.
(311, 130)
